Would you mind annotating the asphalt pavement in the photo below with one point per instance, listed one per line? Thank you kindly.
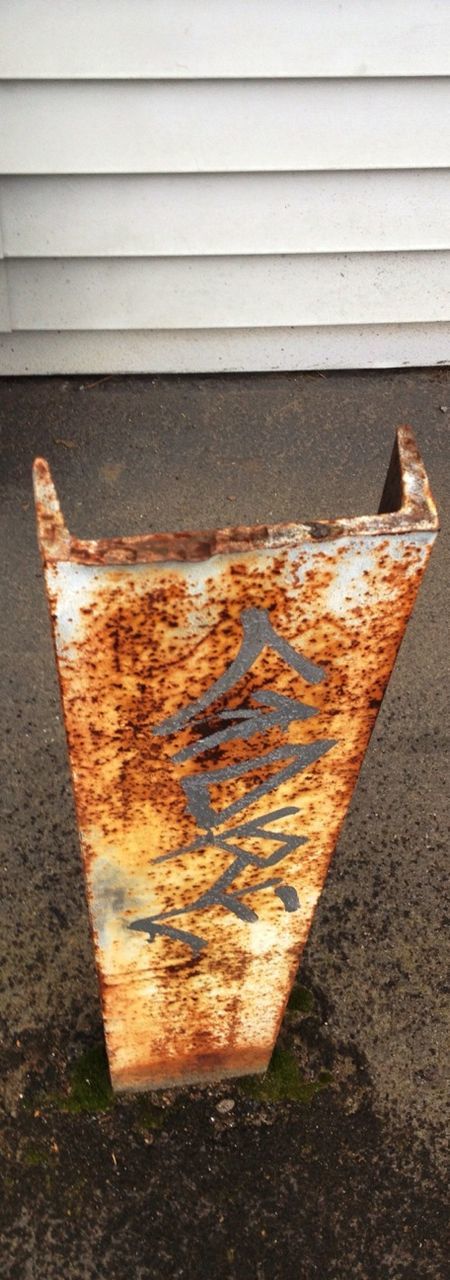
(334, 1168)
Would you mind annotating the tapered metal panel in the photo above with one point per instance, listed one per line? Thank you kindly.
(219, 691)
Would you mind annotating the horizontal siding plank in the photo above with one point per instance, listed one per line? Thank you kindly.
(220, 126)
(224, 214)
(173, 293)
(197, 38)
(5, 324)
(225, 350)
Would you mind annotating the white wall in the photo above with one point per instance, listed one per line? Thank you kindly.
(211, 184)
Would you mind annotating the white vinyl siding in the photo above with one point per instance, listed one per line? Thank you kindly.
(253, 213)
(5, 321)
(200, 184)
(224, 350)
(194, 39)
(208, 126)
(228, 292)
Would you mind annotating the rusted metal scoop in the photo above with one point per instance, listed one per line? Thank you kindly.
(219, 691)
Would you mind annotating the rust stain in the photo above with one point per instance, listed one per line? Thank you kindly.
(144, 628)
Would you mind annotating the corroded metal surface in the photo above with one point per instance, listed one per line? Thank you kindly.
(219, 691)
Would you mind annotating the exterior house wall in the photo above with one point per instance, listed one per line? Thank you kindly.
(187, 185)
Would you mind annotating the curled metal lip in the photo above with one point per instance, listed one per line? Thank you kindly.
(406, 504)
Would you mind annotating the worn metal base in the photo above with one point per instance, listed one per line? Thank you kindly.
(219, 691)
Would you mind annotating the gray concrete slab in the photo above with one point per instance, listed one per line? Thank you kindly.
(349, 1183)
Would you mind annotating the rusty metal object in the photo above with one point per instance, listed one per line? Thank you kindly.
(219, 691)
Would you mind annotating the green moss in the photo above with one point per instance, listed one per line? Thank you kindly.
(300, 1000)
(283, 1080)
(35, 1156)
(147, 1116)
(90, 1085)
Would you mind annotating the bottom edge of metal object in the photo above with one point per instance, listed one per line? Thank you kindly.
(145, 1080)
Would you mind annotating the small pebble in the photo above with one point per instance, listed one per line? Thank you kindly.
(444, 408)
(225, 1105)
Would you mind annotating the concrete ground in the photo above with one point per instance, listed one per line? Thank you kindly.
(287, 1180)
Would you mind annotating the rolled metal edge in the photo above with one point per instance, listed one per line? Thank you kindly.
(407, 504)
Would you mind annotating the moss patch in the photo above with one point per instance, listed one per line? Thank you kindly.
(35, 1157)
(283, 1080)
(90, 1086)
(300, 1000)
(147, 1115)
